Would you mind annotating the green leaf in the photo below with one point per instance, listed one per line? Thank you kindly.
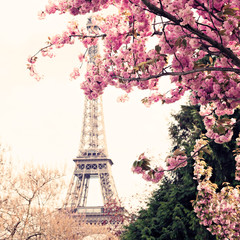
(135, 164)
(220, 130)
(178, 42)
(144, 100)
(222, 32)
(207, 150)
(229, 11)
(184, 42)
(157, 48)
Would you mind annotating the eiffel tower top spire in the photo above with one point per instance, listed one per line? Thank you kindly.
(93, 139)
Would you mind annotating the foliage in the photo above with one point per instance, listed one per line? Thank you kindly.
(170, 214)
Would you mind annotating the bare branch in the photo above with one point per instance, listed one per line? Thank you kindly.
(15, 228)
(34, 235)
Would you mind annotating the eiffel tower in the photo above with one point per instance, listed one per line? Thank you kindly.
(92, 160)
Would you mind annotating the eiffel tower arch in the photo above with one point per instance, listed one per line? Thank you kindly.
(92, 160)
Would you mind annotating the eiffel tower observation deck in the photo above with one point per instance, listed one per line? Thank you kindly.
(92, 160)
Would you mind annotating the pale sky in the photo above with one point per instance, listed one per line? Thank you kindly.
(42, 121)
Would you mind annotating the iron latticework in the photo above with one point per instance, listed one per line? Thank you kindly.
(93, 140)
(92, 160)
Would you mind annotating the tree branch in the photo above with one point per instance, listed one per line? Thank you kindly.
(15, 228)
(89, 36)
(188, 158)
(236, 70)
(205, 8)
(40, 50)
(34, 235)
(160, 12)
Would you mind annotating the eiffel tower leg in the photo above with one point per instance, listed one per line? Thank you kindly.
(80, 190)
(69, 191)
(76, 192)
(106, 187)
(112, 185)
(86, 187)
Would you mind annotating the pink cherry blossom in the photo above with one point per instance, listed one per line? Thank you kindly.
(137, 170)
(176, 162)
(123, 98)
(75, 73)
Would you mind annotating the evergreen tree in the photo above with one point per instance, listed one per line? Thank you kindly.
(170, 214)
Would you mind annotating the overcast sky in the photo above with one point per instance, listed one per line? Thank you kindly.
(42, 121)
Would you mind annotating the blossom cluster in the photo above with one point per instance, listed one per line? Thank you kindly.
(126, 53)
(152, 175)
(217, 210)
(237, 172)
(217, 123)
(75, 73)
(142, 166)
(123, 98)
(237, 159)
(176, 162)
(32, 69)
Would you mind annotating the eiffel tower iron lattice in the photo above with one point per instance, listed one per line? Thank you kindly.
(92, 159)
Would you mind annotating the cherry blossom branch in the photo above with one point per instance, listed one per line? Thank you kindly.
(42, 49)
(236, 70)
(70, 36)
(88, 36)
(205, 8)
(181, 163)
(210, 17)
(205, 25)
(179, 159)
(160, 12)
